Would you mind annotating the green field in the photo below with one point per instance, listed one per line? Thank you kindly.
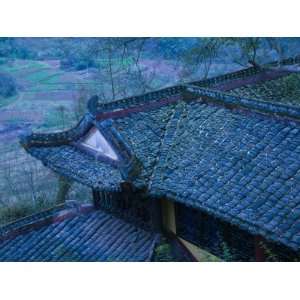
(47, 100)
(44, 91)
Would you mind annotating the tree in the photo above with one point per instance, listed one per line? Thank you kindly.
(277, 45)
(64, 186)
(120, 71)
(62, 111)
(6, 46)
(81, 103)
(200, 57)
(15, 48)
(248, 50)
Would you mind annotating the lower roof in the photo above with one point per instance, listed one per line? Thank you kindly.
(75, 234)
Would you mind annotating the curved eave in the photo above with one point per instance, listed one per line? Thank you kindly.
(60, 152)
(57, 138)
(55, 151)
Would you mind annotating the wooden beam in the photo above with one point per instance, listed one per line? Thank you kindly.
(168, 215)
(64, 186)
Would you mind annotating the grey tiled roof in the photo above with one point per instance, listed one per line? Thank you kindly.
(283, 90)
(78, 165)
(239, 165)
(92, 236)
(144, 132)
(235, 157)
(245, 73)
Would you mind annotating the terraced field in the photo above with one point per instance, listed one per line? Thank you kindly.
(46, 101)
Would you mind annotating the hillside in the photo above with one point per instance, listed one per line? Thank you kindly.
(48, 99)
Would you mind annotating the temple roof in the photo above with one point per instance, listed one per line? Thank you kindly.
(75, 234)
(238, 165)
(75, 164)
(209, 144)
(78, 232)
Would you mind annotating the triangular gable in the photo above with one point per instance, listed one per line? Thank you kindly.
(95, 141)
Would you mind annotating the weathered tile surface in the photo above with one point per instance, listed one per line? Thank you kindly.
(237, 158)
(73, 163)
(95, 236)
(144, 133)
(283, 90)
(240, 165)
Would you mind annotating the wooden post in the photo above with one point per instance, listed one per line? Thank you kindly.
(259, 251)
(168, 215)
(64, 186)
(96, 199)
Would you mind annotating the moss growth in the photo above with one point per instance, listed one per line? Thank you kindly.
(167, 251)
(284, 90)
(163, 252)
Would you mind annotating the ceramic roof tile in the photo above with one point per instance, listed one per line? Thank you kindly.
(94, 236)
(283, 90)
(71, 162)
(144, 132)
(242, 166)
(235, 157)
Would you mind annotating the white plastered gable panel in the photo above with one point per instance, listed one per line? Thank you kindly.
(96, 141)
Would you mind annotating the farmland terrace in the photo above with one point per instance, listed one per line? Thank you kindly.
(48, 99)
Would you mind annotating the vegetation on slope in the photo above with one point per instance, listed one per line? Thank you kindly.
(8, 86)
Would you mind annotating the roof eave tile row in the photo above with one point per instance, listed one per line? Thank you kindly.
(244, 72)
(75, 233)
(236, 101)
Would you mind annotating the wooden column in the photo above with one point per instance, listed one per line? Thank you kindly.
(259, 251)
(168, 215)
(96, 199)
(64, 186)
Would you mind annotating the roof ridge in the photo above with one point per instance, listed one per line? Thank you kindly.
(96, 107)
(170, 131)
(31, 218)
(227, 76)
(244, 72)
(227, 99)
